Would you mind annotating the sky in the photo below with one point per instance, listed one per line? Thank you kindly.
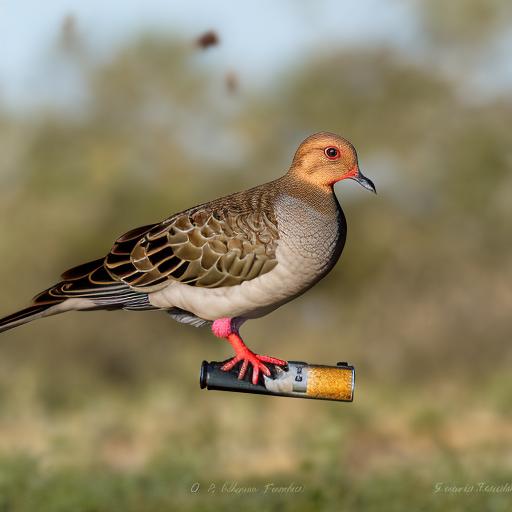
(259, 38)
(284, 31)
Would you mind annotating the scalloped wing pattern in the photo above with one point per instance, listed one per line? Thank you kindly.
(204, 247)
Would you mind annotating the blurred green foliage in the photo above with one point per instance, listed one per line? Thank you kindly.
(102, 410)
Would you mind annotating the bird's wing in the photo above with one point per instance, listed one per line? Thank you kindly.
(208, 246)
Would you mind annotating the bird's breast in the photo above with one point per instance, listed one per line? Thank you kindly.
(310, 239)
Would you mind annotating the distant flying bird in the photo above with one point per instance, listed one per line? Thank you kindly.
(207, 40)
(223, 262)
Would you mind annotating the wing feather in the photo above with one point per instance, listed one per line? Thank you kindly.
(222, 243)
(206, 246)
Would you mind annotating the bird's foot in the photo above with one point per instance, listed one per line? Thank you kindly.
(248, 357)
(228, 328)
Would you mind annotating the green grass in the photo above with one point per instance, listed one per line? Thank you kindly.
(167, 485)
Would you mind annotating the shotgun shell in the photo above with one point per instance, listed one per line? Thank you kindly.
(298, 379)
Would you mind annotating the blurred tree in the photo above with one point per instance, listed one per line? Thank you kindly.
(157, 132)
(464, 22)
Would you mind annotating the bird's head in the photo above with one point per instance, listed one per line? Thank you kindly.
(325, 158)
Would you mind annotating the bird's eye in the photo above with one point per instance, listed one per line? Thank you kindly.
(332, 153)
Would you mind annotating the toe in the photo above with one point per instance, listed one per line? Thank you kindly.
(264, 369)
(272, 360)
(255, 374)
(243, 369)
(226, 367)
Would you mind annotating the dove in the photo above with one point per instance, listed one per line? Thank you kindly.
(224, 262)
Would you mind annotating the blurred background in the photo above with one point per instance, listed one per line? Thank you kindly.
(114, 115)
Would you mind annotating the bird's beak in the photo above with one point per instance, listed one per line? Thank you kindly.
(364, 181)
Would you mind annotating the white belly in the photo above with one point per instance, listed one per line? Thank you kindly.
(291, 276)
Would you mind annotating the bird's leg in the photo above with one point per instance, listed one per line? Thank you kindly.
(227, 329)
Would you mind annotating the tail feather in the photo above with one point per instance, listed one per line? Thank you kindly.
(88, 286)
(25, 315)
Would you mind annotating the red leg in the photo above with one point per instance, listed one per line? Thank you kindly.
(223, 328)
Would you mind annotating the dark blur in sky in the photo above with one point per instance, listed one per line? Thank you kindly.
(258, 40)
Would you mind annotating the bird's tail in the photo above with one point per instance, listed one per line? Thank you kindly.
(88, 286)
(27, 315)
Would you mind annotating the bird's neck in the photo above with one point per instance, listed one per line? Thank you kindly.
(311, 225)
(321, 198)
